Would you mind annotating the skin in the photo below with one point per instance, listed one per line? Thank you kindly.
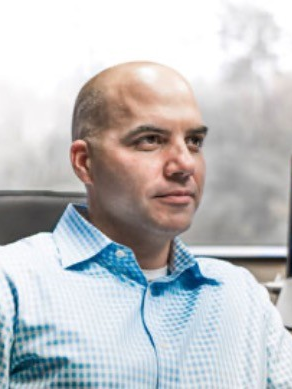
(144, 173)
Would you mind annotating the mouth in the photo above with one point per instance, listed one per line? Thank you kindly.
(178, 197)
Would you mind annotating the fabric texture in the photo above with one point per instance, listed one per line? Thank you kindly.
(76, 311)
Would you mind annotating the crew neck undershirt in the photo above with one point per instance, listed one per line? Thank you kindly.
(152, 275)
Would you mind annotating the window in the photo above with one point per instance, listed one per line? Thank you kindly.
(237, 56)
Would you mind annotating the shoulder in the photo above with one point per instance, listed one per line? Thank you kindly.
(26, 253)
(235, 279)
(222, 269)
(25, 266)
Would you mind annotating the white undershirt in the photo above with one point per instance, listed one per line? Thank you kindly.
(152, 275)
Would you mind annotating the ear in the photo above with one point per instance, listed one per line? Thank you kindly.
(80, 160)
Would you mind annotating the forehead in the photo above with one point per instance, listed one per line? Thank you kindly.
(153, 99)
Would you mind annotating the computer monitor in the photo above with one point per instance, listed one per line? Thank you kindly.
(284, 303)
(289, 254)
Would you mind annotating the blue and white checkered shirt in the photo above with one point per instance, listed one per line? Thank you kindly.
(77, 312)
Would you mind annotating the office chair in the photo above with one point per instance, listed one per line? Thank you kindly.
(24, 213)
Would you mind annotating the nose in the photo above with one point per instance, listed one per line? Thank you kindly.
(180, 163)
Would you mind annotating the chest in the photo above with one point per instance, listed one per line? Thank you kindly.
(107, 333)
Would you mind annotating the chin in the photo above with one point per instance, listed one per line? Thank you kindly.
(174, 228)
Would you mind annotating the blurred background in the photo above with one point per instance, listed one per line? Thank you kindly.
(236, 54)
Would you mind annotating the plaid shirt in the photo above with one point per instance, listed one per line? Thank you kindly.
(77, 312)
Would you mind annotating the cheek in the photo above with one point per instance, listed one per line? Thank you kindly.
(200, 173)
(121, 176)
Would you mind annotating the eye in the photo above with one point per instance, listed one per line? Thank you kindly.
(148, 142)
(195, 142)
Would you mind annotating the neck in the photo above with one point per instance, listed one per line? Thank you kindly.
(152, 257)
(152, 250)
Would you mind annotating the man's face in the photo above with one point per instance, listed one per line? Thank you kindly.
(148, 169)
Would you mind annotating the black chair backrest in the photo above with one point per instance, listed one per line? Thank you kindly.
(23, 213)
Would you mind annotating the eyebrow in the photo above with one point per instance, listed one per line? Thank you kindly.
(199, 130)
(146, 128)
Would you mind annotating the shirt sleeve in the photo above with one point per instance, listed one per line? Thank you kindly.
(7, 317)
(279, 351)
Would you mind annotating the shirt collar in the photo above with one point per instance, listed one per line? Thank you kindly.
(183, 261)
(78, 240)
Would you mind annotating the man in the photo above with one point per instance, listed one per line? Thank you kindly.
(112, 298)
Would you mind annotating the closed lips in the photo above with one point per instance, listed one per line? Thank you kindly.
(177, 193)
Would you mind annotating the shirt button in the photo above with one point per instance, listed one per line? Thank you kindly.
(164, 345)
(120, 253)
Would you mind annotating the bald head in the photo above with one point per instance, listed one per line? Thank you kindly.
(101, 101)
